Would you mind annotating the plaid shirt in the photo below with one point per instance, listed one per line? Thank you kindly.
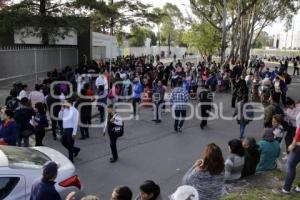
(179, 98)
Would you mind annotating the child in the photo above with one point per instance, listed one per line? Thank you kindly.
(278, 130)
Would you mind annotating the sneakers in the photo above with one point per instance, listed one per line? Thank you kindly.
(297, 189)
(281, 191)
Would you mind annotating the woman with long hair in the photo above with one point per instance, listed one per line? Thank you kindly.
(207, 174)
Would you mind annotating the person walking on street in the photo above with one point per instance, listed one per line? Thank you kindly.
(36, 96)
(158, 99)
(296, 68)
(137, 93)
(115, 130)
(23, 116)
(178, 100)
(70, 117)
(54, 105)
(85, 111)
(243, 114)
(205, 98)
(44, 188)
(293, 161)
(39, 122)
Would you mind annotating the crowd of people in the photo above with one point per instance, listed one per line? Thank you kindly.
(66, 98)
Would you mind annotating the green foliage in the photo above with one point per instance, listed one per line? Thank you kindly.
(172, 25)
(47, 17)
(204, 37)
(117, 14)
(263, 40)
(138, 36)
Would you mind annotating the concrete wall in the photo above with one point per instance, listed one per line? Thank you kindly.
(154, 50)
(106, 43)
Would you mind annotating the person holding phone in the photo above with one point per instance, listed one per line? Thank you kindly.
(70, 117)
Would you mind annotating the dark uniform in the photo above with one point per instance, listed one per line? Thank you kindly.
(205, 97)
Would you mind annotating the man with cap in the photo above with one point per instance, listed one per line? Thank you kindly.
(43, 188)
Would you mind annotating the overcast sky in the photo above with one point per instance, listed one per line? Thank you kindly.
(275, 28)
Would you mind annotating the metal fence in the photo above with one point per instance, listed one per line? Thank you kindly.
(28, 63)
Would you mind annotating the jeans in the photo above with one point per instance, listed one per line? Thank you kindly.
(67, 141)
(242, 130)
(180, 115)
(293, 161)
(157, 111)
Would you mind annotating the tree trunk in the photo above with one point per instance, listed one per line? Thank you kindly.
(44, 32)
(224, 33)
(112, 21)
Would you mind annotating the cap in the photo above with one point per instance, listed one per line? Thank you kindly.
(185, 192)
(50, 169)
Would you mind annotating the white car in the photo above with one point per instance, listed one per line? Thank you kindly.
(20, 167)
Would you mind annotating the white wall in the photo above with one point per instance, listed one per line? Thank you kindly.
(154, 50)
(109, 42)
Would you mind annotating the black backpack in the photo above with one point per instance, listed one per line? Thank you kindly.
(12, 104)
(118, 130)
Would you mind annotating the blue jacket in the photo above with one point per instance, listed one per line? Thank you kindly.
(44, 190)
(137, 90)
(10, 132)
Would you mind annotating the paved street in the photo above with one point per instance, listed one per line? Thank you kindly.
(151, 151)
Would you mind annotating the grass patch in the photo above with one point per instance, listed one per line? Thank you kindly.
(261, 193)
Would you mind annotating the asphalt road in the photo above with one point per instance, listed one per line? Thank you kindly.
(150, 151)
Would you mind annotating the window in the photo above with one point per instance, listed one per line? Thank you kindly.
(24, 157)
(7, 184)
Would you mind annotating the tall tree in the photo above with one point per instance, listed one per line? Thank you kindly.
(117, 15)
(215, 12)
(204, 38)
(47, 17)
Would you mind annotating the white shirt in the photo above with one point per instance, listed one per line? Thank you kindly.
(22, 94)
(70, 117)
(101, 80)
(117, 120)
(36, 97)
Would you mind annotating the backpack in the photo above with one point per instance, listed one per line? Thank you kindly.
(12, 104)
(288, 79)
(117, 129)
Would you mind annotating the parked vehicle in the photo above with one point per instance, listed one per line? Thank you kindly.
(20, 167)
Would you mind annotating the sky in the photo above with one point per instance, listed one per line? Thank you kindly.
(273, 29)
